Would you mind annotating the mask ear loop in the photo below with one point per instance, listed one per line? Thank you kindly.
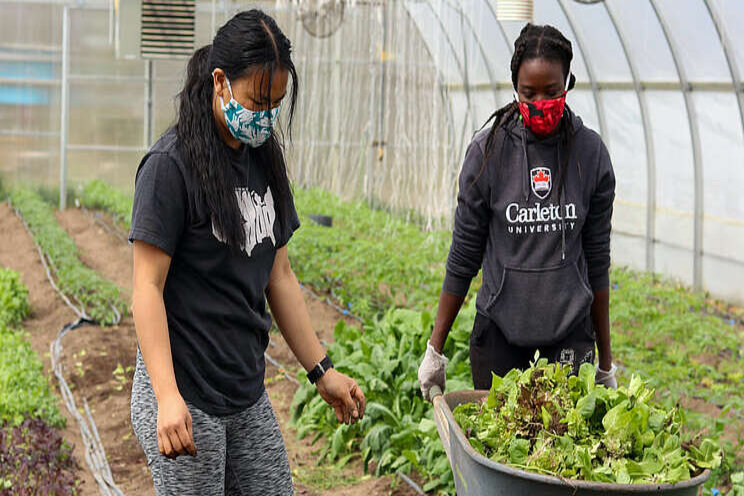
(570, 82)
(229, 87)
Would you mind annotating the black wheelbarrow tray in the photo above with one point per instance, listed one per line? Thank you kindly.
(476, 475)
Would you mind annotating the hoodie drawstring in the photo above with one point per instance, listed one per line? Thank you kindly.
(562, 206)
(526, 175)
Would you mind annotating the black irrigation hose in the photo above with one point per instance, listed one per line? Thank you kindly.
(411, 483)
(330, 303)
(98, 218)
(116, 231)
(282, 369)
(95, 455)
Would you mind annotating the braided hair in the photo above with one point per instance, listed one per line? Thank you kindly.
(537, 42)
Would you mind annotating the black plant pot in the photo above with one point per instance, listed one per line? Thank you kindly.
(322, 220)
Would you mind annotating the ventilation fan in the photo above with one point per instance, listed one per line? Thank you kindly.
(321, 18)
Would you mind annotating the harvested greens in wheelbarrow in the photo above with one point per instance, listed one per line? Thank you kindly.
(547, 421)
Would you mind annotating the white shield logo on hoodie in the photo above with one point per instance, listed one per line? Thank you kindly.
(542, 182)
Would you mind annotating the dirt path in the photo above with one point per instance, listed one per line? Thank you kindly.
(111, 257)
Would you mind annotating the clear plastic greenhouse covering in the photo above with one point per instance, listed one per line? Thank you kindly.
(392, 94)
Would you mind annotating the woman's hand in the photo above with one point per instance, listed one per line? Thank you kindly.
(343, 394)
(606, 377)
(175, 433)
(432, 371)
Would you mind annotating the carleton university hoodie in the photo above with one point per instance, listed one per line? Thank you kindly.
(543, 249)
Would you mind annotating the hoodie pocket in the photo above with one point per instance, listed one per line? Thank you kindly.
(538, 307)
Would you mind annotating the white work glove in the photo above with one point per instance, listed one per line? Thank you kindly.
(606, 377)
(432, 371)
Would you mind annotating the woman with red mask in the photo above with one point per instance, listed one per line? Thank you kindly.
(533, 210)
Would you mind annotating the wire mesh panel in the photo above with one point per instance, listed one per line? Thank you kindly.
(359, 134)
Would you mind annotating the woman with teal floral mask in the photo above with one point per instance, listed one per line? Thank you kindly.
(212, 216)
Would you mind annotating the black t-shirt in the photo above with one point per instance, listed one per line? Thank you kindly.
(214, 298)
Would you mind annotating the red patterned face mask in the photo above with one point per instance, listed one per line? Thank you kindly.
(542, 116)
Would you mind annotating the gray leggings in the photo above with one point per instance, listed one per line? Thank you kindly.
(241, 454)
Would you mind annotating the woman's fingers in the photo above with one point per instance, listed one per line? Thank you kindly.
(187, 442)
(361, 401)
(167, 447)
(190, 433)
(339, 412)
(350, 409)
(189, 426)
(175, 442)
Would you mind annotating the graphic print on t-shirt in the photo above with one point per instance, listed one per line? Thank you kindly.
(258, 218)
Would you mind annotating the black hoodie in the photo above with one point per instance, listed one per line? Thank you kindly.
(542, 252)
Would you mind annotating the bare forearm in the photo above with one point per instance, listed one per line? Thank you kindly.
(290, 312)
(449, 306)
(151, 324)
(601, 321)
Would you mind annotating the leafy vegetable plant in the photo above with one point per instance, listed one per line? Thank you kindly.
(34, 459)
(13, 299)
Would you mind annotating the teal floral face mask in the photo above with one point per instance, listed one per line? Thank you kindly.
(247, 126)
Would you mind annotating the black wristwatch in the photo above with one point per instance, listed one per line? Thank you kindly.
(314, 375)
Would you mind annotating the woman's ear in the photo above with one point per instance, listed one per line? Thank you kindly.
(571, 82)
(218, 81)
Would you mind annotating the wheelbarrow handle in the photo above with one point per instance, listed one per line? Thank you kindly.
(434, 392)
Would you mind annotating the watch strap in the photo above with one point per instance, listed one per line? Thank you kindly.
(317, 372)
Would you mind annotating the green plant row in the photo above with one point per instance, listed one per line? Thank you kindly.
(24, 391)
(97, 296)
(369, 260)
(100, 196)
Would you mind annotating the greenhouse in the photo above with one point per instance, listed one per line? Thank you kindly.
(391, 94)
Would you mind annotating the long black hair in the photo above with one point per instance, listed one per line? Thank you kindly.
(248, 42)
(537, 42)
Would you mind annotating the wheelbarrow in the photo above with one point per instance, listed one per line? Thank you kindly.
(476, 475)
